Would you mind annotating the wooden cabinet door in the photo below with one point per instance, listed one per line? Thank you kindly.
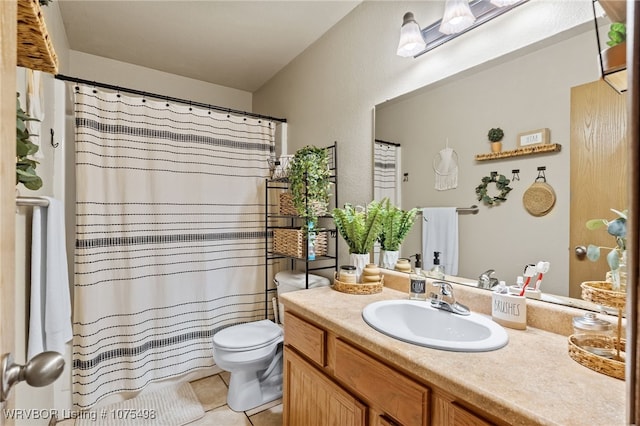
(311, 399)
(599, 174)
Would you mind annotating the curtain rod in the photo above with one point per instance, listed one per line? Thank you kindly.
(387, 143)
(473, 209)
(32, 201)
(166, 98)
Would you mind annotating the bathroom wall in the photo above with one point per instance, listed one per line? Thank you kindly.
(329, 91)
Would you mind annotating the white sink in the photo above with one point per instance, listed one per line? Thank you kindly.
(416, 322)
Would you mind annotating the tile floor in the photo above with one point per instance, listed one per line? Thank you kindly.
(212, 393)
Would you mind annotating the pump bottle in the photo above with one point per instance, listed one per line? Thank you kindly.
(437, 272)
(418, 282)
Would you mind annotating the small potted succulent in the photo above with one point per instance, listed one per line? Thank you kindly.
(495, 136)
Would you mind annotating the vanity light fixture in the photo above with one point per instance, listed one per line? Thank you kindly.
(457, 17)
(434, 35)
(411, 41)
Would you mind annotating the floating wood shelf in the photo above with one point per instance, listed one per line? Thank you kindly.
(538, 149)
(35, 50)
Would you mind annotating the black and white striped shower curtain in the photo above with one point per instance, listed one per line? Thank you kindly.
(169, 237)
(386, 178)
(386, 168)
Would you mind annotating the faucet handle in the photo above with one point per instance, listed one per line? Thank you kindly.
(445, 288)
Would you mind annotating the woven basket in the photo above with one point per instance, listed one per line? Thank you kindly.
(35, 50)
(293, 242)
(610, 367)
(288, 209)
(600, 293)
(358, 288)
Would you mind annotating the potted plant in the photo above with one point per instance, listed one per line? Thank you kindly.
(396, 224)
(495, 136)
(360, 227)
(25, 166)
(617, 256)
(614, 58)
(309, 178)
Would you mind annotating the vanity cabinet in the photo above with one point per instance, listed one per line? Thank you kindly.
(330, 381)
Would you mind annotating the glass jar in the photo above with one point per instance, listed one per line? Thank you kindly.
(594, 335)
(347, 274)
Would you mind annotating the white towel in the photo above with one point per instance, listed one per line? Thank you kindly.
(440, 233)
(50, 315)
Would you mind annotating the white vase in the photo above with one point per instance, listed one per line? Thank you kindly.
(359, 261)
(618, 277)
(389, 258)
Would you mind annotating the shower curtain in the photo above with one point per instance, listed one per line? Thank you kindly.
(386, 178)
(386, 168)
(169, 237)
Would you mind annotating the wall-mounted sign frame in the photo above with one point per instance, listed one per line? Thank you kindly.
(533, 138)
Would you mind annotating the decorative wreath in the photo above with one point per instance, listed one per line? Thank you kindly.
(502, 183)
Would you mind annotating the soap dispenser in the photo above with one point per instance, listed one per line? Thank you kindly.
(418, 282)
(437, 271)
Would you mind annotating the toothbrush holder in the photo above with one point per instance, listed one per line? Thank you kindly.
(509, 310)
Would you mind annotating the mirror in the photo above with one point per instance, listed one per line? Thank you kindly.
(522, 92)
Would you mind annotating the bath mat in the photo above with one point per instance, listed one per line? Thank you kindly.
(170, 406)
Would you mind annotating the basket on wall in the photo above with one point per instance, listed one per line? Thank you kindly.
(293, 242)
(35, 49)
(288, 209)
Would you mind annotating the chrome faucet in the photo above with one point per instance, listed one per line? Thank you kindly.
(441, 297)
(485, 280)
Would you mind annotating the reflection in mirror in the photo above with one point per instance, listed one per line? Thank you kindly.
(521, 92)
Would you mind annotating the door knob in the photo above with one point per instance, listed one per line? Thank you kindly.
(581, 252)
(41, 370)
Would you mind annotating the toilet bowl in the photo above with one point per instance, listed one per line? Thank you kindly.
(252, 353)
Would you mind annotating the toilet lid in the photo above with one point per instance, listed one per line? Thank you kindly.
(247, 336)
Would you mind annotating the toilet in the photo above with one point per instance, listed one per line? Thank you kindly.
(252, 353)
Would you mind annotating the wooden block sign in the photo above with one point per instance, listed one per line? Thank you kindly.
(533, 137)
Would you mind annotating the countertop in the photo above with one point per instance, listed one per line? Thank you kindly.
(531, 381)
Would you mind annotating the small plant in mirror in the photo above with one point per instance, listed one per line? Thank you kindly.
(495, 134)
(617, 34)
(616, 258)
(396, 224)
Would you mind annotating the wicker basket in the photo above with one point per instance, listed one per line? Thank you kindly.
(288, 209)
(600, 293)
(358, 288)
(35, 50)
(293, 242)
(610, 367)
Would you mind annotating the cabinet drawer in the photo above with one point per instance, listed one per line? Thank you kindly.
(380, 386)
(306, 338)
(462, 417)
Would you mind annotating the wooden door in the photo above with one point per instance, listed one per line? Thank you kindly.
(599, 170)
(311, 399)
(8, 20)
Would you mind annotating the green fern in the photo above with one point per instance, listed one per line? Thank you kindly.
(396, 225)
(359, 227)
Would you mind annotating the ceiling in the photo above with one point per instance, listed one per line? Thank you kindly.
(233, 43)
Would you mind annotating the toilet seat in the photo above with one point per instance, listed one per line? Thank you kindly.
(247, 337)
